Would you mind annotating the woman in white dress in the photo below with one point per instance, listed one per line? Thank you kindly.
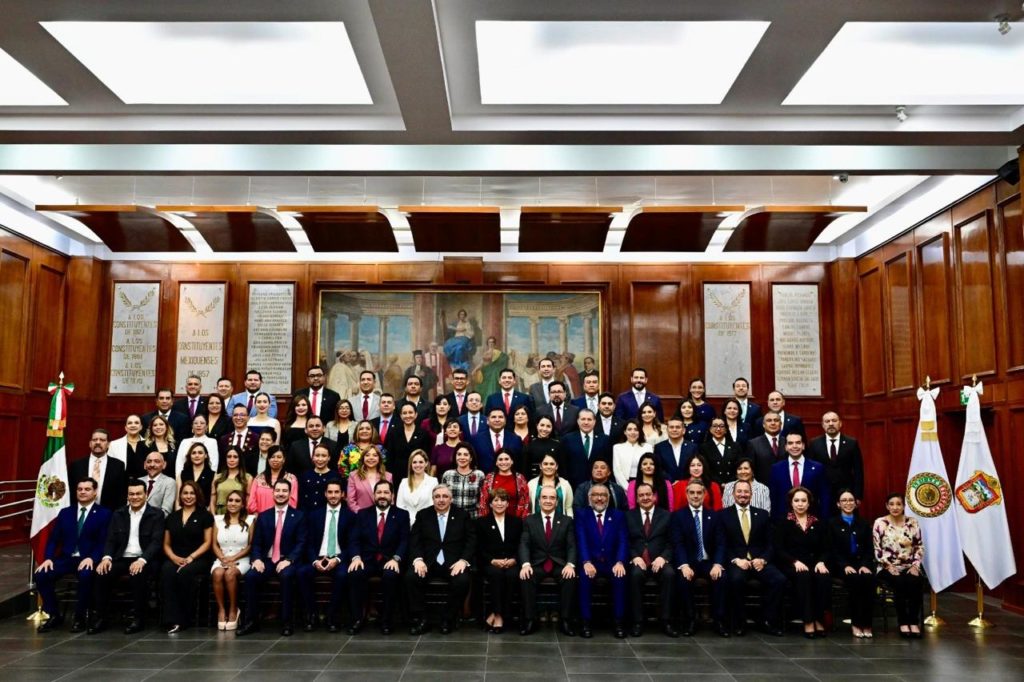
(232, 540)
(198, 436)
(625, 456)
(416, 490)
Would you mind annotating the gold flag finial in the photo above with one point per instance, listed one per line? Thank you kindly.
(974, 380)
(927, 383)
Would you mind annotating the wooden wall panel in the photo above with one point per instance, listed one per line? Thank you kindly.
(656, 334)
(1013, 267)
(872, 362)
(935, 310)
(15, 273)
(976, 340)
(47, 315)
(900, 329)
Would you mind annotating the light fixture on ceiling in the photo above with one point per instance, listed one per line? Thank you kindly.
(1004, 24)
(901, 113)
(842, 177)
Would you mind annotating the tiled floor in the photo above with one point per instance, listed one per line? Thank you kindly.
(953, 653)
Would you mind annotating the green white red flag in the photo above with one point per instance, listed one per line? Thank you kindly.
(52, 492)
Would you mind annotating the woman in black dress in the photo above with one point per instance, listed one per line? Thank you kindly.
(852, 557)
(544, 443)
(188, 536)
(198, 469)
(801, 548)
(403, 438)
(499, 534)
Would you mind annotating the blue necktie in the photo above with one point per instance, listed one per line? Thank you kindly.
(442, 522)
(700, 535)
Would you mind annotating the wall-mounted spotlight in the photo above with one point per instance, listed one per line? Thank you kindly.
(842, 177)
(901, 113)
(1004, 24)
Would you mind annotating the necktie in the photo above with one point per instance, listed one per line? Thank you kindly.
(745, 526)
(312, 447)
(149, 491)
(472, 427)
(497, 442)
(251, 399)
(314, 401)
(796, 474)
(96, 461)
(383, 429)
(548, 563)
(592, 405)
(459, 400)
(558, 418)
(81, 519)
(332, 534)
(366, 406)
(832, 450)
(600, 524)
(508, 403)
(775, 445)
(743, 411)
(380, 528)
(192, 407)
(700, 535)
(238, 439)
(442, 523)
(646, 556)
(586, 444)
(275, 555)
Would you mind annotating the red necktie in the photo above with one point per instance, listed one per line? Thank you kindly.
(647, 534)
(775, 445)
(600, 524)
(150, 490)
(832, 450)
(315, 409)
(251, 399)
(383, 429)
(275, 555)
(558, 418)
(508, 403)
(497, 443)
(238, 440)
(366, 406)
(796, 474)
(548, 563)
(380, 534)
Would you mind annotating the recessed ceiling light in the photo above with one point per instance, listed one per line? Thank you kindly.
(609, 62)
(938, 63)
(218, 62)
(20, 88)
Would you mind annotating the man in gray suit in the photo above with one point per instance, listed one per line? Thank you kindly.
(368, 398)
(561, 413)
(540, 390)
(547, 549)
(160, 489)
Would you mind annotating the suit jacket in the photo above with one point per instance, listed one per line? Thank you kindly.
(609, 547)
(581, 496)
(626, 406)
(731, 534)
(760, 450)
(151, 533)
(793, 424)
(753, 417)
(328, 402)
(316, 527)
(459, 541)
(357, 406)
(672, 470)
(455, 404)
(841, 552)
(569, 414)
(64, 537)
(298, 460)
(243, 400)
(293, 535)
(813, 479)
(181, 405)
(392, 421)
(362, 539)
(534, 549)
(684, 537)
(181, 424)
(723, 467)
(577, 463)
(484, 446)
(658, 542)
(497, 400)
(846, 470)
(399, 449)
(464, 423)
(490, 542)
(581, 403)
(615, 433)
(114, 492)
(423, 407)
(249, 444)
(164, 495)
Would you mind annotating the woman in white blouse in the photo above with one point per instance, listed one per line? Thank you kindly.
(625, 456)
(415, 492)
(198, 436)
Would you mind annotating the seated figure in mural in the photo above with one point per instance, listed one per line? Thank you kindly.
(485, 375)
(344, 375)
(458, 347)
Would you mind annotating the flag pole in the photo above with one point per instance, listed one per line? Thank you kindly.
(38, 615)
(934, 620)
(980, 621)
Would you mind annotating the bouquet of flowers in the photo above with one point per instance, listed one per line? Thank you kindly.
(349, 459)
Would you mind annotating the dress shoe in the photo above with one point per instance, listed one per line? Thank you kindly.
(740, 630)
(446, 627)
(418, 628)
(386, 629)
(497, 629)
(97, 626)
(249, 628)
(669, 631)
(528, 628)
(309, 625)
(333, 626)
(637, 630)
(174, 629)
(585, 631)
(51, 624)
(567, 629)
(78, 625)
(133, 627)
(357, 626)
(619, 631)
(287, 630)
(720, 629)
(809, 635)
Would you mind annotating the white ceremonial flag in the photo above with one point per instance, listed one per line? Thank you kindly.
(980, 512)
(930, 500)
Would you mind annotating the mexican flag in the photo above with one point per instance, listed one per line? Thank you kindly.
(52, 493)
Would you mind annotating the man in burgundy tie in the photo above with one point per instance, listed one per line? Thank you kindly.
(650, 551)
(563, 414)
(769, 447)
(840, 455)
(798, 470)
(193, 402)
(322, 401)
(488, 441)
(603, 549)
(278, 544)
(366, 403)
(547, 549)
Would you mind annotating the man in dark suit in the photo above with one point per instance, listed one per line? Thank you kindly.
(674, 453)
(387, 417)
(242, 438)
(443, 546)
(790, 422)
(180, 423)
(798, 470)
(494, 438)
(582, 448)
(109, 472)
(299, 457)
(193, 402)
(328, 538)
(458, 395)
(591, 393)
(840, 455)
(134, 545)
(768, 448)
(650, 556)
(365, 403)
(322, 401)
(547, 549)
(600, 474)
(627, 406)
(276, 552)
(607, 423)
(750, 412)
(720, 453)
(75, 546)
(603, 549)
(562, 414)
(539, 390)
(473, 420)
(377, 546)
(507, 399)
(699, 553)
(414, 396)
(746, 535)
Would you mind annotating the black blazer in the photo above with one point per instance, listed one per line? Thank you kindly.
(684, 537)
(114, 492)
(362, 540)
(456, 412)
(658, 543)
(298, 461)
(399, 449)
(151, 533)
(760, 545)
(534, 549)
(840, 554)
(459, 537)
(489, 539)
(181, 424)
(181, 405)
(723, 468)
(793, 544)
(846, 471)
(615, 433)
(760, 450)
(328, 402)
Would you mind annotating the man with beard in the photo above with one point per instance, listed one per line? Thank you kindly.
(627, 406)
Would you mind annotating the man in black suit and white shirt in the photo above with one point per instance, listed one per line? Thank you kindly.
(193, 402)
(540, 390)
(562, 414)
(750, 412)
(699, 553)
(674, 454)
(591, 393)
(300, 456)
(106, 471)
(650, 552)
(608, 424)
(443, 546)
(459, 393)
(322, 401)
(790, 422)
(180, 424)
(840, 455)
(768, 448)
(547, 549)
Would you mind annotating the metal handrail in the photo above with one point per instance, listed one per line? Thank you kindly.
(19, 491)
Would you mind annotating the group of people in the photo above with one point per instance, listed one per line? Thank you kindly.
(514, 488)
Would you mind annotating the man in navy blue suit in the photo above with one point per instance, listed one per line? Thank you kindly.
(750, 412)
(628, 404)
(699, 553)
(583, 448)
(591, 393)
(278, 545)
(473, 420)
(507, 399)
(488, 441)
(674, 454)
(790, 422)
(603, 547)
(377, 546)
(798, 470)
(75, 545)
(327, 534)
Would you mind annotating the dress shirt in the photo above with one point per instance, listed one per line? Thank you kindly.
(829, 441)
(500, 523)
(640, 396)
(676, 449)
(496, 435)
(238, 437)
(134, 548)
(606, 425)
(743, 408)
(789, 467)
(327, 527)
(720, 444)
(78, 512)
(103, 471)
(700, 519)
